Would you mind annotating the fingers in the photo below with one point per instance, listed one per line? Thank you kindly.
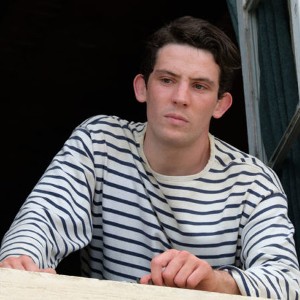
(159, 264)
(145, 279)
(23, 262)
(182, 269)
(48, 270)
(202, 277)
(179, 269)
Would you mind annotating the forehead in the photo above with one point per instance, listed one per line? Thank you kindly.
(187, 60)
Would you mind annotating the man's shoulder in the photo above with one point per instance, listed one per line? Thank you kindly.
(235, 162)
(103, 122)
(228, 154)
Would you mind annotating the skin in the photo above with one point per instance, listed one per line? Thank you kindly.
(182, 97)
(23, 262)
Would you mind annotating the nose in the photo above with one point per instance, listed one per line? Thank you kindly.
(181, 94)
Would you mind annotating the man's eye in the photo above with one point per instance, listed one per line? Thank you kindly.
(166, 80)
(199, 86)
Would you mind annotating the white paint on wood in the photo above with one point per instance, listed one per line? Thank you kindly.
(24, 285)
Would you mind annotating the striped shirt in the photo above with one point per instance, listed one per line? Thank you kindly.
(100, 195)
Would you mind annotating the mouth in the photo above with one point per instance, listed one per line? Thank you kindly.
(176, 118)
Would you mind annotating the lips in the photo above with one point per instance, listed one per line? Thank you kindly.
(176, 117)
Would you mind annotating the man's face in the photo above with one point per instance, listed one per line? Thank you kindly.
(182, 96)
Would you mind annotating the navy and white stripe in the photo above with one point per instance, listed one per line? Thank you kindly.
(100, 195)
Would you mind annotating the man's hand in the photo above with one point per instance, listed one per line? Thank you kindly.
(23, 262)
(182, 269)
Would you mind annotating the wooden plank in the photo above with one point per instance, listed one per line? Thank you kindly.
(247, 24)
(23, 285)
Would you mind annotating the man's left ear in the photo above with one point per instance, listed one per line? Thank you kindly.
(223, 105)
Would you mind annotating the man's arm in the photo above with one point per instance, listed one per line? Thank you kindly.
(54, 220)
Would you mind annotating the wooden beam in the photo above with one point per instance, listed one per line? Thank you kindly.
(24, 285)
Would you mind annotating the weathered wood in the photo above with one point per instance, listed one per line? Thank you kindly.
(23, 285)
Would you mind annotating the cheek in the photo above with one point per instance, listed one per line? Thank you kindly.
(206, 108)
(156, 98)
(152, 108)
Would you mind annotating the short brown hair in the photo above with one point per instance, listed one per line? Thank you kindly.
(200, 34)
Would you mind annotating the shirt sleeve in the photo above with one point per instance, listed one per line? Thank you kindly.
(270, 266)
(55, 219)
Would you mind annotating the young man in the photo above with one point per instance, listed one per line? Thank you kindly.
(164, 201)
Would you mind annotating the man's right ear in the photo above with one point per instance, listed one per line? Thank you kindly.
(140, 88)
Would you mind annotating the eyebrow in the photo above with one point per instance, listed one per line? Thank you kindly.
(163, 71)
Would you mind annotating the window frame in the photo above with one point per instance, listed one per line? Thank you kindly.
(246, 11)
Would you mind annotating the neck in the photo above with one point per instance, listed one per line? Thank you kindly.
(177, 161)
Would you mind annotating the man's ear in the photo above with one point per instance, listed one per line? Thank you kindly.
(140, 88)
(223, 105)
